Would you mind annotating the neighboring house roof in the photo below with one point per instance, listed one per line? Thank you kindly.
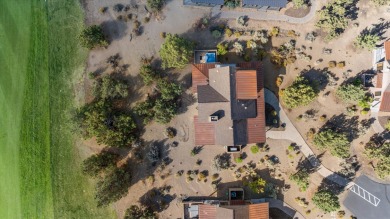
(207, 211)
(270, 3)
(251, 211)
(259, 211)
(387, 49)
(200, 75)
(246, 84)
(204, 132)
(379, 79)
(240, 121)
(215, 2)
(385, 103)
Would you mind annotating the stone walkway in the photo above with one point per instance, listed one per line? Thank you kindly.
(266, 16)
(376, 126)
(292, 134)
(287, 209)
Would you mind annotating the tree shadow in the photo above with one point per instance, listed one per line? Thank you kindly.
(114, 29)
(320, 77)
(158, 199)
(352, 10)
(343, 124)
(377, 29)
(328, 184)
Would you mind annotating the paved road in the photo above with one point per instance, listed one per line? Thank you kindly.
(266, 16)
(292, 134)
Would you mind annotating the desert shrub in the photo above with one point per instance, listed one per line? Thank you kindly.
(331, 64)
(196, 150)
(103, 10)
(301, 178)
(237, 34)
(148, 74)
(176, 51)
(380, 2)
(340, 214)
(257, 185)
(118, 7)
(323, 118)
(232, 3)
(367, 41)
(261, 35)
(113, 187)
(341, 64)
(336, 143)
(135, 212)
(239, 49)
(238, 159)
(154, 153)
(222, 48)
(250, 44)
(146, 19)
(350, 93)
(279, 81)
(254, 149)
(155, 5)
(274, 32)
(300, 93)
(333, 17)
(326, 200)
(171, 132)
(216, 33)
(214, 176)
(92, 37)
(299, 3)
(96, 164)
(228, 32)
(221, 162)
(163, 35)
(109, 87)
(242, 20)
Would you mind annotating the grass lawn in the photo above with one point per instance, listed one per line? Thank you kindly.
(39, 165)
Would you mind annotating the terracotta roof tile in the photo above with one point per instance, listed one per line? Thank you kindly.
(259, 211)
(207, 212)
(246, 84)
(385, 103)
(387, 50)
(256, 126)
(204, 132)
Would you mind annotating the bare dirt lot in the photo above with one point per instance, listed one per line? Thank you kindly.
(175, 18)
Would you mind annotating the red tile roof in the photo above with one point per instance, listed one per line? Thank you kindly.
(207, 211)
(387, 50)
(256, 126)
(259, 211)
(379, 79)
(246, 84)
(385, 103)
(200, 75)
(204, 132)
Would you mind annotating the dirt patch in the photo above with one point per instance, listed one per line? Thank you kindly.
(297, 12)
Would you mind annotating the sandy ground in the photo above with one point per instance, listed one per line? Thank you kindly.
(176, 18)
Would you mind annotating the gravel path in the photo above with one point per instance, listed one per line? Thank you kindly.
(292, 134)
(266, 16)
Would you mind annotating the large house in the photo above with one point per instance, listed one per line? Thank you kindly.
(234, 208)
(230, 103)
(379, 82)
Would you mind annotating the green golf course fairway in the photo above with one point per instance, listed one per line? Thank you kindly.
(40, 173)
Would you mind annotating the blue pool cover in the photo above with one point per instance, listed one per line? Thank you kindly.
(210, 57)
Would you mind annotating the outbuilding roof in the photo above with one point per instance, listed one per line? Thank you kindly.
(269, 3)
